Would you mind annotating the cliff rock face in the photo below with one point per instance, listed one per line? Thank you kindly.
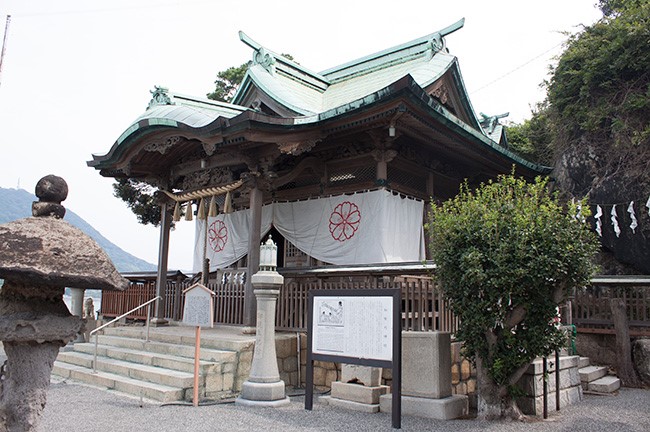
(579, 174)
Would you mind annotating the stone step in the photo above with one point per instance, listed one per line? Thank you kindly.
(584, 362)
(606, 384)
(207, 354)
(168, 361)
(592, 373)
(177, 336)
(152, 374)
(147, 390)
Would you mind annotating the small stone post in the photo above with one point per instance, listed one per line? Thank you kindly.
(264, 387)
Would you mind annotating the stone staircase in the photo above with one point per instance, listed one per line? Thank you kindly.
(161, 369)
(596, 378)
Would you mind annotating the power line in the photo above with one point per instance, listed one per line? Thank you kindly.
(4, 44)
(515, 69)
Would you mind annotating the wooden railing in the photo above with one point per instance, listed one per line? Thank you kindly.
(423, 307)
(591, 306)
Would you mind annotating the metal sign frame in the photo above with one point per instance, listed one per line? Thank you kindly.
(395, 364)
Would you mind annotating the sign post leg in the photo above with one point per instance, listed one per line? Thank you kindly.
(197, 359)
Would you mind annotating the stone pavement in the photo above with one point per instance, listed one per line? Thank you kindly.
(74, 407)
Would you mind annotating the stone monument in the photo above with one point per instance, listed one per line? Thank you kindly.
(426, 378)
(39, 257)
(359, 389)
(264, 387)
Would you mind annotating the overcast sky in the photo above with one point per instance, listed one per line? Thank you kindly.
(77, 73)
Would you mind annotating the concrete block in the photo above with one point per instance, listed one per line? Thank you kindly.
(592, 373)
(357, 393)
(448, 408)
(364, 375)
(426, 364)
(606, 384)
(350, 405)
(584, 362)
(535, 405)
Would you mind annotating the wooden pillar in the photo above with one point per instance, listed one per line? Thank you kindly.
(254, 239)
(163, 255)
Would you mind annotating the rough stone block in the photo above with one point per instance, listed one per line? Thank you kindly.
(606, 384)
(448, 408)
(351, 405)
(592, 373)
(535, 405)
(365, 375)
(357, 393)
(426, 364)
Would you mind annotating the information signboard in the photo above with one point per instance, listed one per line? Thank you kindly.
(360, 326)
(199, 306)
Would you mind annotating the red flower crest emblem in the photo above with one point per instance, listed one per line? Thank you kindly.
(344, 221)
(217, 235)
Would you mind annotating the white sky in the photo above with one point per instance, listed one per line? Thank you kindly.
(76, 73)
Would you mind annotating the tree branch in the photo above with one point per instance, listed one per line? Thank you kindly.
(518, 374)
(515, 316)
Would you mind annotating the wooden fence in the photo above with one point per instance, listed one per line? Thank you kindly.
(591, 306)
(423, 307)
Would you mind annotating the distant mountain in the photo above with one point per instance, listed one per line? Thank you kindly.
(17, 204)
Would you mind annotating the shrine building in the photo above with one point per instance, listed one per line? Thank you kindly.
(339, 165)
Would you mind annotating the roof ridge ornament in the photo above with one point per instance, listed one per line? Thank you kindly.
(159, 96)
(265, 59)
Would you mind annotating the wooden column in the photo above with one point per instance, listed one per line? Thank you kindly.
(254, 239)
(163, 255)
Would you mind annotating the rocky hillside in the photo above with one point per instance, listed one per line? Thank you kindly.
(17, 204)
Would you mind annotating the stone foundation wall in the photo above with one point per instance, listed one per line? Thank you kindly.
(532, 385)
(463, 374)
(600, 348)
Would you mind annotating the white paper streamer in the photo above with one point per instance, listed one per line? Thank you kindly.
(648, 205)
(617, 229)
(599, 224)
(630, 210)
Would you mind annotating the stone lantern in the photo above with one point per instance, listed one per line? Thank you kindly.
(39, 257)
(264, 388)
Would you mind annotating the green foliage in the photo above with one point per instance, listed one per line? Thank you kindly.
(532, 138)
(506, 254)
(227, 82)
(140, 198)
(599, 93)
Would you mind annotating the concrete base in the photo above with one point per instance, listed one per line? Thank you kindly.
(452, 407)
(263, 404)
(358, 393)
(351, 405)
(606, 384)
(158, 322)
(263, 392)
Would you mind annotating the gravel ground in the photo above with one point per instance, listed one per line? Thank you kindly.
(73, 407)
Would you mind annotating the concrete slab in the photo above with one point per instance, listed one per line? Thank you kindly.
(350, 405)
(358, 393)
(592, 373)
(606, 384)
(452, 407)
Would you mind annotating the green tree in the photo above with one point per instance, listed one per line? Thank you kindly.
(598, 97)
(507, 254)
(140, 198)
(532, 138)
(227, 82)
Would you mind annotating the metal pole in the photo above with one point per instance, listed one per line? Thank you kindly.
(95, 355)
(557, 380)
(545, 379)
(148, 318)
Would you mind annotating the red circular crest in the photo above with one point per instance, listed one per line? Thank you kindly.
(344, 221)
(218, 235)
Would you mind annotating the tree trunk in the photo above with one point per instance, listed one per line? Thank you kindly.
(494, 401)
(624, 368)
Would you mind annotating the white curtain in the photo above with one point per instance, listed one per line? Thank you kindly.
(362, 228)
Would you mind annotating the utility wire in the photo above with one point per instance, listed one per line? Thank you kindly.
(515, 69)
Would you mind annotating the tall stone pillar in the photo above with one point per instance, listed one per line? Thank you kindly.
(254, 239)
(264, 386)
(163, 255)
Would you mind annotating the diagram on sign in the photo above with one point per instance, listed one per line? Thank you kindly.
(331, 313)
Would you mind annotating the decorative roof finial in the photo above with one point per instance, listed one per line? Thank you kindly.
(159, 96)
